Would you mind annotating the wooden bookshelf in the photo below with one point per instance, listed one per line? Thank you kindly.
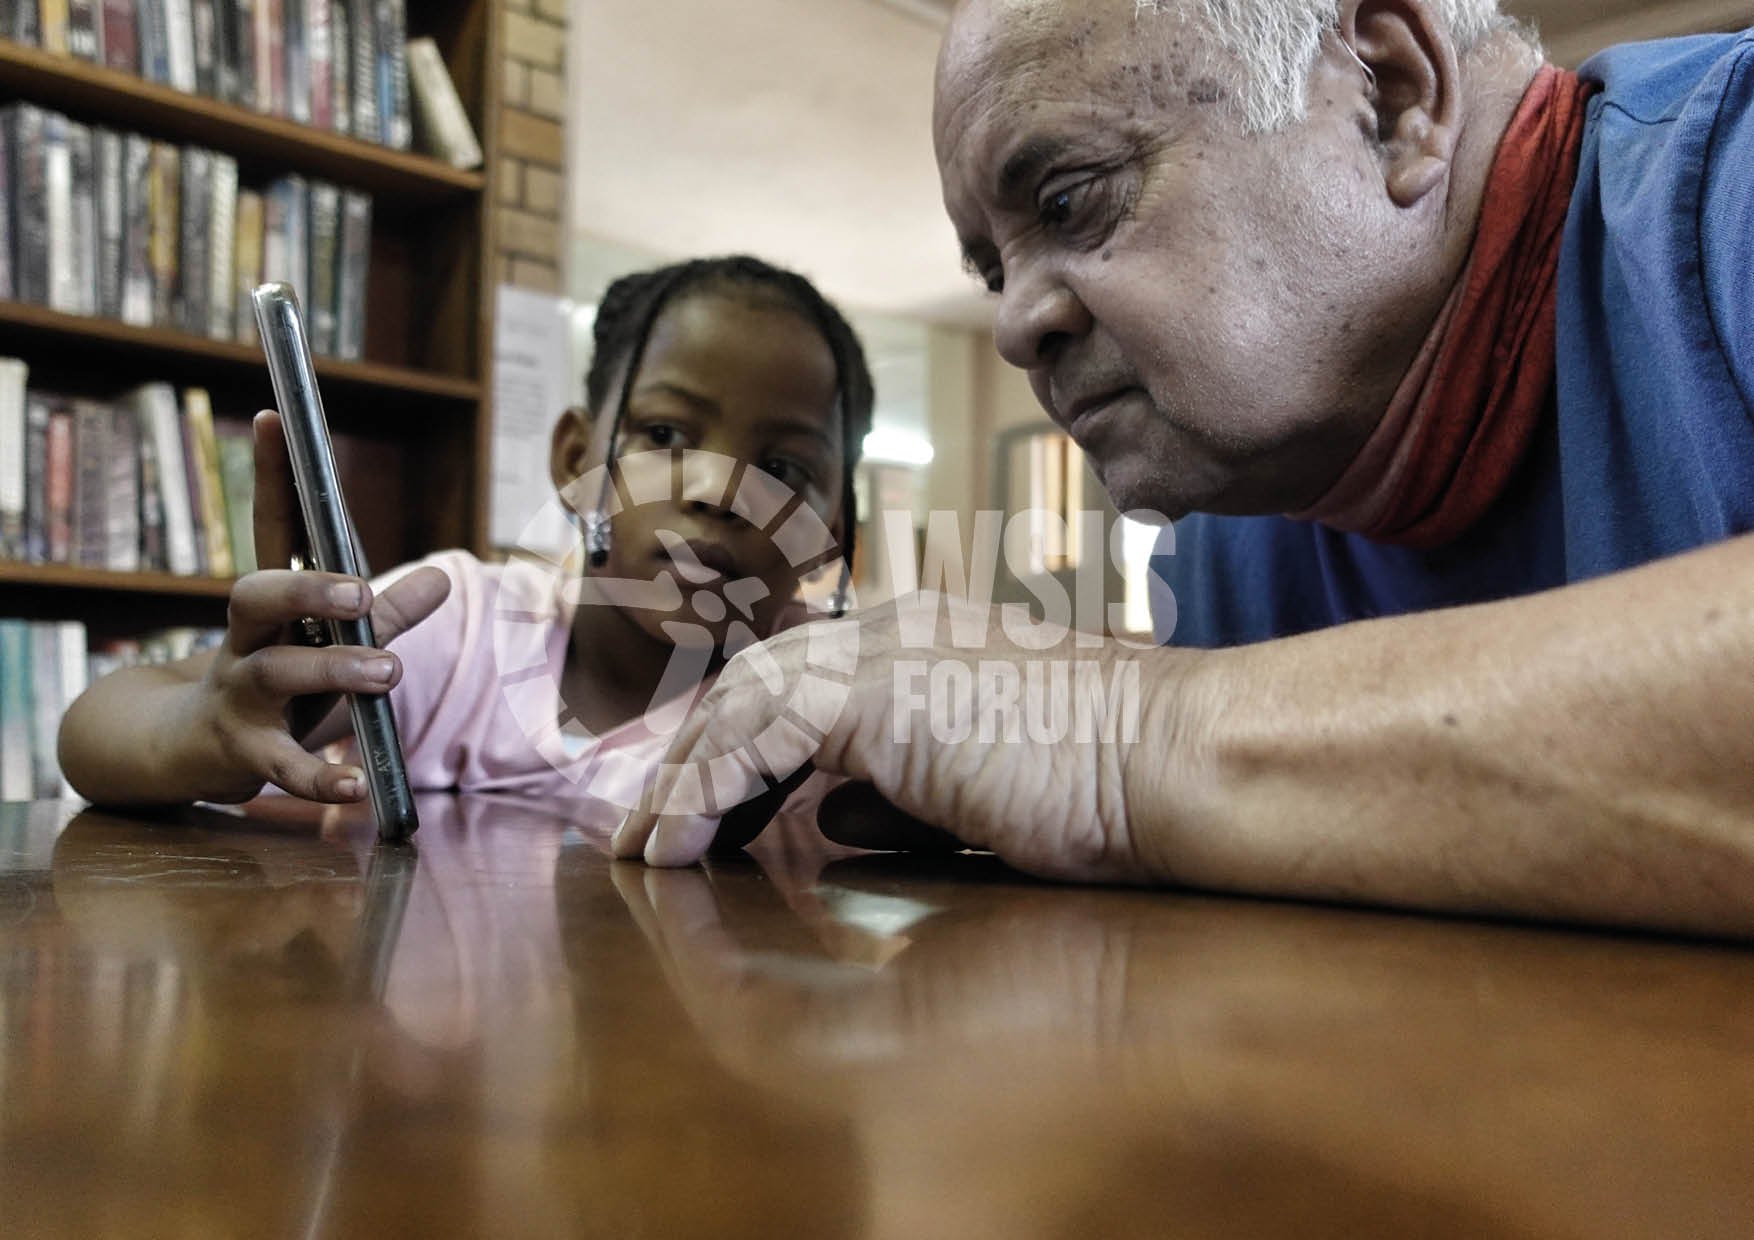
(75, 332)
(411, 419)
(64, 577)
(129, 102)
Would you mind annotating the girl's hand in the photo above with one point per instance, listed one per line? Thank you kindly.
(263, 697)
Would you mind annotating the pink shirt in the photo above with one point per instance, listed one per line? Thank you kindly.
(478, 706)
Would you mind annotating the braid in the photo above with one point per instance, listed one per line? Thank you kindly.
(632, 305)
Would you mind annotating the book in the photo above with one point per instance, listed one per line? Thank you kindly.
(153, 556)
(222, 266)
(237, 44)
(91, 480)
(165, 213)
(248, 274)
(225, 51)
(84, 30)
(136, 275)
(13, 375)
(17, 780)
(321, 61)
(46, 707)
(192, 268)
(325, 233)
(285, 247)
(393, 106)
(152, 30)
(161, 421)
(341, 71)
(58, 199)
(27, 134)
(21, 23)
(192, 485)
(6, 287)
(121, 36)
(58, 485)
(363, 66)
(441, 126)
(111, 222)
(356, 241)
(208, 488)
(295, 40)
(36, 473)
(237, 475)
(53, 16)
(122, 495)
(179, 25)
(82, 166)
(271, 55)
(204, 42)
(74, 648)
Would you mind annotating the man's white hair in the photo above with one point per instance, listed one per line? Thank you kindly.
(1275, 44)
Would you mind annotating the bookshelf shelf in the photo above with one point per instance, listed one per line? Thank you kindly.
(411, 421)
(74, 330)
(58, 576)
(115, 98)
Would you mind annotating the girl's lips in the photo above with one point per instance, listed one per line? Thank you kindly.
(696, 559)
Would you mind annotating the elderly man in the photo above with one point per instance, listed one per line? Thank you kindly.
(1453, 354)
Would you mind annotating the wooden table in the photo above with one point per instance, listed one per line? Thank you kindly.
(265, 1027)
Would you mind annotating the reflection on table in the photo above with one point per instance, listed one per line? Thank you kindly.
(220, 1025)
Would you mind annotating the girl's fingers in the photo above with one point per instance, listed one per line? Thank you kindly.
(407, 601)
(264, 603)
(280, 760)
(280, 673)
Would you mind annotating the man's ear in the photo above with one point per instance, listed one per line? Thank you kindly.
(569, 454)
(1417, 91)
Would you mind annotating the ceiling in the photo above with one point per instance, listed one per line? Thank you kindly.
(801, 130)
(796, 129)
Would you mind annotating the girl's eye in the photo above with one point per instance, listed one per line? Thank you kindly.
(660, 434)
(790, 472)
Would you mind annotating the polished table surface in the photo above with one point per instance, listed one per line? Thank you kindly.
(265, 1026)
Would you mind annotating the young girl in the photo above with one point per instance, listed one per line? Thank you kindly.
(729, 401)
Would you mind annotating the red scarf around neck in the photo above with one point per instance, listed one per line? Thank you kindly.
(1469, 406)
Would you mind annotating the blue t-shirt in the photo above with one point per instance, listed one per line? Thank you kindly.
(1650, 449)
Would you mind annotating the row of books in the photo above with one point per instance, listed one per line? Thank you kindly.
(96, 222)
(147, 483)
(340, 65)
(44, 666)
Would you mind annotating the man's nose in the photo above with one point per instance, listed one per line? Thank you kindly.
(1038, 315)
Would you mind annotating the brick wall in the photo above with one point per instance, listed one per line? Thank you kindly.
(529, 214)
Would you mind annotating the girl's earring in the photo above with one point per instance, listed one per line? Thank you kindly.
(597, 542)
(842, 599)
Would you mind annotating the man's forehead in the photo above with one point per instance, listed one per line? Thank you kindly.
(1006, 54)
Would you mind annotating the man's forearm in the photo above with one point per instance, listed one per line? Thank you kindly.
(1587, 754)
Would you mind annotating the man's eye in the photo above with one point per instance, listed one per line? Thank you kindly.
(660, 434)
(1082, 213)
(1063, 205)
(1058, 208)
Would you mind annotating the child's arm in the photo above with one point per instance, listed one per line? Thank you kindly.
(219, 726)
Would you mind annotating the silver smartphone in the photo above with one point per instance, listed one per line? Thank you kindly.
(329, 533)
